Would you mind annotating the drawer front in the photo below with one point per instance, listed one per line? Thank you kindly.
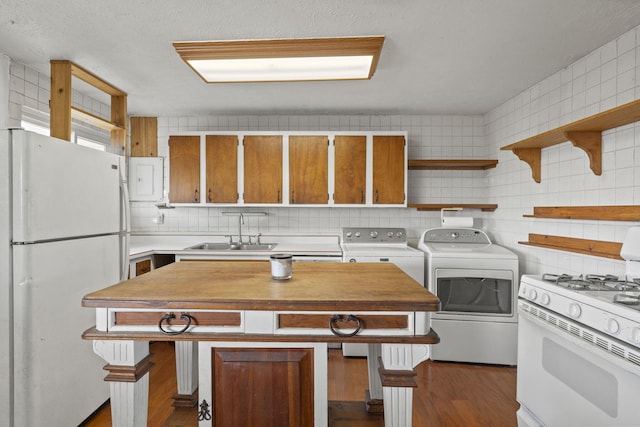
(345, 323)
(201, 321)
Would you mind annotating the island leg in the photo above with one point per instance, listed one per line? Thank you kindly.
(187, 374)
(397, 374)
(373, 398)
(128, 364)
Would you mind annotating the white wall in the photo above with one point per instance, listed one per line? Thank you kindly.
(4, 91)
(605, 78)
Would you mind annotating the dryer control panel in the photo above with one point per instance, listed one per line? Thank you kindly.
(456, 235)
(374, 235)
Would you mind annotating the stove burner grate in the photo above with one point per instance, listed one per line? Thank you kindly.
(593, 282)
(627, 298)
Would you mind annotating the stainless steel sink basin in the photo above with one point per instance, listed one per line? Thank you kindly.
(233, 247)
(260, 247)
(211, 246)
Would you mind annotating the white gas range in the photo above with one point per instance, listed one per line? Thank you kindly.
(579, 346)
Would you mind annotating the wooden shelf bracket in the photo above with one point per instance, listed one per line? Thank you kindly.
(591, 143)
(532, 157)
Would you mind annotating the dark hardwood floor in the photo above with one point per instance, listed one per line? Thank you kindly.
(448, 394)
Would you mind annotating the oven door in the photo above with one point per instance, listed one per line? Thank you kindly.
(563, 380)
(479, 295)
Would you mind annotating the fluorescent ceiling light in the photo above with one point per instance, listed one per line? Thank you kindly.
(347, 58)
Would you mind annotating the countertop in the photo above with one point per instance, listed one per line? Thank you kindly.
(314, 286)
(148, 244)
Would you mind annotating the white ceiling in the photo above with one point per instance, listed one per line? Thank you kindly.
(439, 56)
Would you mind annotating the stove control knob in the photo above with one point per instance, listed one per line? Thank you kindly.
(373, 234)
(613, 327)
(399, 234)
(635, 336)
(357, 234)
(545, 300)
(533, 294)
(390, 234)
(575, 310)
(455, 235)
(349, 234)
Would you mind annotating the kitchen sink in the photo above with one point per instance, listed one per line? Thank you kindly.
(211, 246)
(233, 247)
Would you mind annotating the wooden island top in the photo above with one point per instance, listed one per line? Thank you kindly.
(247, 285)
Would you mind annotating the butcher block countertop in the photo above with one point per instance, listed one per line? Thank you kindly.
(247, 285)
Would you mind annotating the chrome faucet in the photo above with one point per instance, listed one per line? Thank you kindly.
(240, 222)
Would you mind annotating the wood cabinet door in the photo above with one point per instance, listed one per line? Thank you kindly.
(262, 387)
(388, 169)
(350, 169)
(308, 169)
(262, 169)
(184, 169)
(222, 169)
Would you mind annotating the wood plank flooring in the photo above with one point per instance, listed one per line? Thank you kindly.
(448, 394)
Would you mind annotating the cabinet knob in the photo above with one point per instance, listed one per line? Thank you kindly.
(209, 196)
(195, 195)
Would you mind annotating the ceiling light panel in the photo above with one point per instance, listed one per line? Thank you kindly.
(345, 58)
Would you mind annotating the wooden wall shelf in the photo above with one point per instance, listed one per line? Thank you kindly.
(599, 248)
(62, 72)
(438, 206)
(602, 213)
(452, 164)
(585, 134)
(92, 119)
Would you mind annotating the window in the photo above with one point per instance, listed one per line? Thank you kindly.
(82, 134)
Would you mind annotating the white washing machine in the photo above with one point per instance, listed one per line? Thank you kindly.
(380, 245)
(477, 284)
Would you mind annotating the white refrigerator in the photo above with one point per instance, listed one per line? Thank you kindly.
(64, 233)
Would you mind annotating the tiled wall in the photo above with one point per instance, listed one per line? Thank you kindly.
(430, 137)
(605, 78)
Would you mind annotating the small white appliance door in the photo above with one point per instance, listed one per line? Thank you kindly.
(564, 381)
(62, 189)
(58, 379)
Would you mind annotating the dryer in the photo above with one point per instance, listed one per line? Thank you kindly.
(477, 284)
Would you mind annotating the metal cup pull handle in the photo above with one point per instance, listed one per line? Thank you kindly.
(341, 318)
(169, 317)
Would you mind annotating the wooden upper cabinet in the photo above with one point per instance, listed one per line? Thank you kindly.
(263, 169)
(184, 169)
(144, 136)
(388, 169)
(308, 169)
(222, 169)
(350, 171)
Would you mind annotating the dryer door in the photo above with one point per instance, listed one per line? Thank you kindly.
(481, 295)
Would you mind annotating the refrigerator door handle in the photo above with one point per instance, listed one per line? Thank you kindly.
(125, 230)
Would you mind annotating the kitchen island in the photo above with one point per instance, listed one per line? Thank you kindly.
(262, 343)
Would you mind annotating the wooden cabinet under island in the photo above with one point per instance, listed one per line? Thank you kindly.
(235, 312)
